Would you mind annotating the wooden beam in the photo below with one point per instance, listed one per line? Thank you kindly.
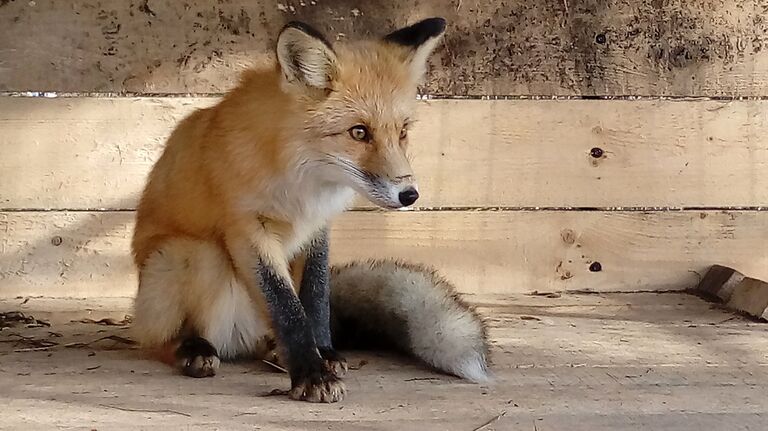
(85, 153)
(80, 254)
(570, 48)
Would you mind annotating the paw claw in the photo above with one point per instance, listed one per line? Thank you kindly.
(338, 368)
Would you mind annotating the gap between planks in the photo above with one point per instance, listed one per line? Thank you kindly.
(457, 209)
(629, 97)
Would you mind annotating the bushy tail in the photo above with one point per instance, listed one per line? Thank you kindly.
(387, 304)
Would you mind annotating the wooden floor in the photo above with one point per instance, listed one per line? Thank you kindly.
(572, 362)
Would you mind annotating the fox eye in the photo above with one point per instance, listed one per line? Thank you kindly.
(403, 133)
(359, 133)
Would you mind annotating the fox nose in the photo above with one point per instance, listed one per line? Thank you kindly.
(408, 196)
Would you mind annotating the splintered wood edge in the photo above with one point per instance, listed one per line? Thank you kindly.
(737, 292)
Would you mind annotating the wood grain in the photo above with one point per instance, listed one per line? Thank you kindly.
(85, 153)
(83, 254)
(606, 362)
(574, 47)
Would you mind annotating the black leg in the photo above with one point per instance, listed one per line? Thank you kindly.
(311, 378)
(315, 298)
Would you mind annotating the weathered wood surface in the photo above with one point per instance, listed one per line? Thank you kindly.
(578, 363)
(573, 47)
(736, 291)
(85, 153)
(750, 297)
(82, 254)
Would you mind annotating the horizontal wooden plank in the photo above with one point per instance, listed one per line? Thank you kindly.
(83, 153)
(86, 253)
(609, 362)
(574, 47)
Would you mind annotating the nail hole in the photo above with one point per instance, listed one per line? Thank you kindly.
(56, 241)
(600, 38)
(596, 152)
(595, 267)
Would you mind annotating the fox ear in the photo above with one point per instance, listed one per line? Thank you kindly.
(305, 56)
(420, 40)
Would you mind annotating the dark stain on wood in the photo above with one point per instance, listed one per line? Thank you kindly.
(235, 24)
(144, 8)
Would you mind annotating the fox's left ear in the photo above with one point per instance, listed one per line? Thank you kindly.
(420, 40)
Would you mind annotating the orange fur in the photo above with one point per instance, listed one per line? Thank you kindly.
(257, 135)
(165, 353)
(244, 186)
(253, 178)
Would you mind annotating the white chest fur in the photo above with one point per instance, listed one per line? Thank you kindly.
(315, 212)
(308, 206)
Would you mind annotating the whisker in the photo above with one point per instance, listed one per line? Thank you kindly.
(347, 166)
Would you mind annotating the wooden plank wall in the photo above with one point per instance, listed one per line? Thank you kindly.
(494, 47)
(538, 160)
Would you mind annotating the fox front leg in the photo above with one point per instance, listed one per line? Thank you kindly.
(314, 294)
(311, 378)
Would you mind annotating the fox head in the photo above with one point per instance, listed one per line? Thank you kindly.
(356, 102)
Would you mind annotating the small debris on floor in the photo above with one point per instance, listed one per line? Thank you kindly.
(116, 338)
(423, 379)
(24, 343)
(545, 294)
(491, 421)
(11, 319)
(275, 366)
(107, 321)
(275, 393)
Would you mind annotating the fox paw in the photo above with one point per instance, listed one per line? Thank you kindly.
(335, 363)
(321, 387)
(197, 357)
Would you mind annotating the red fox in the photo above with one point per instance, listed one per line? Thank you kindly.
(231, 242)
